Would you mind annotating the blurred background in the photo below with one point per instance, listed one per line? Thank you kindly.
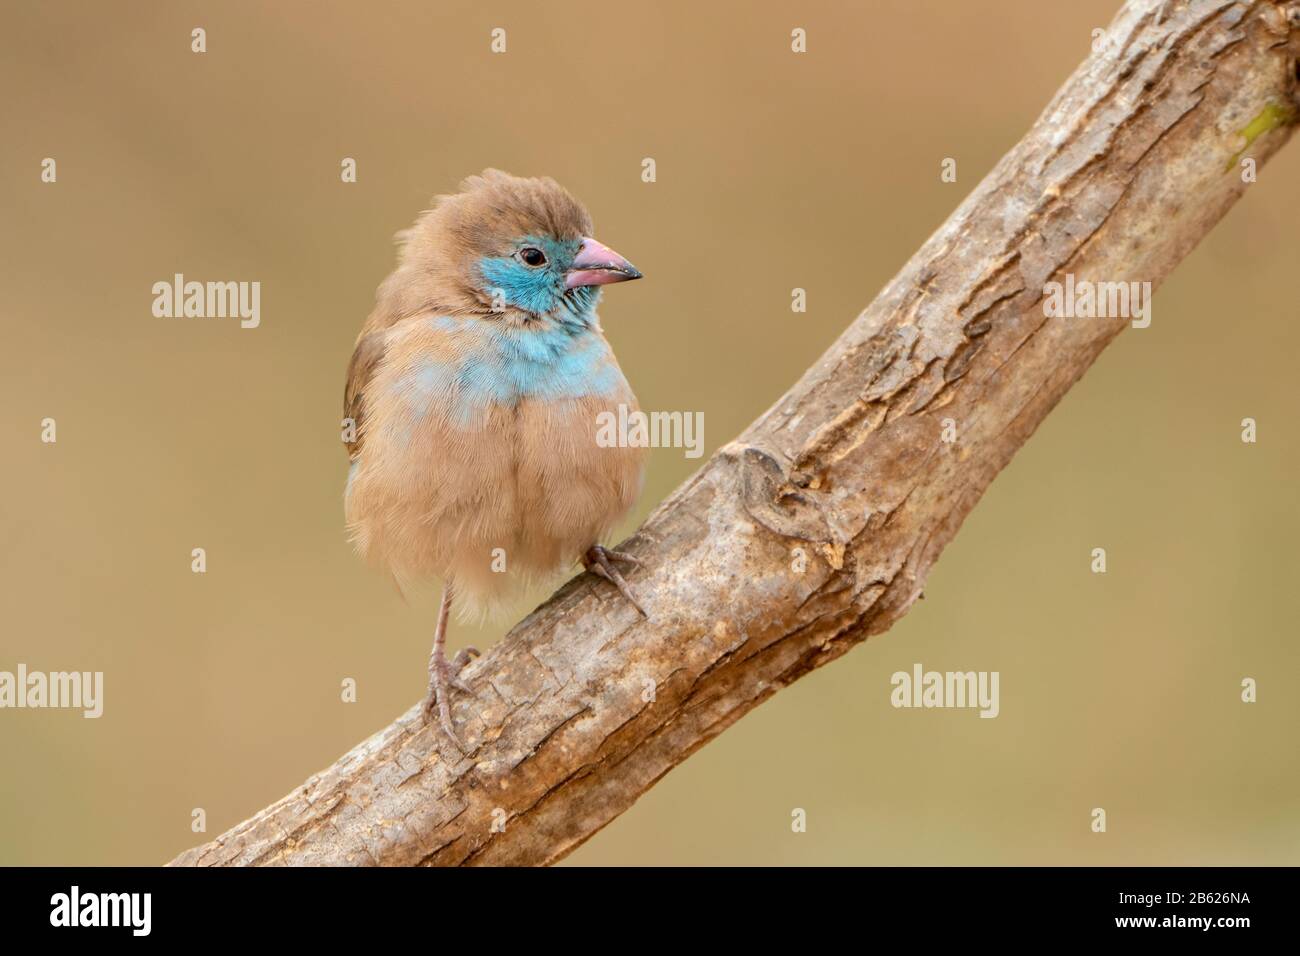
(774, 170)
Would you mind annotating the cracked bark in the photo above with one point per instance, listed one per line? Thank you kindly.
(1133, 161)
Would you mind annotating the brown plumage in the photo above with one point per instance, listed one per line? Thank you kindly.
(434, 274)
(475, 386)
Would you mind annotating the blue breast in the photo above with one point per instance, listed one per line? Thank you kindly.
(502, 364)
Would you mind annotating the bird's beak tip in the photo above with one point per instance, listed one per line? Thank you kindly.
(597, 264)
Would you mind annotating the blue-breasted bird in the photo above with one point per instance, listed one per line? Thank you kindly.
(475, 387)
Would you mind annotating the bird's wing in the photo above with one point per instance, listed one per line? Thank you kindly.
(365, 358)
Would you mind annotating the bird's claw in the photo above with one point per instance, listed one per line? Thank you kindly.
(613, 555)
(462, 658)
(443, 676)
(599, 560)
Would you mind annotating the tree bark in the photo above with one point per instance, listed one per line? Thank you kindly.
(817, 527)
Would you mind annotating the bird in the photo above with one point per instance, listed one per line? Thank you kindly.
(471, 408)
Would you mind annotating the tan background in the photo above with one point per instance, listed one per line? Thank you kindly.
(775, 171)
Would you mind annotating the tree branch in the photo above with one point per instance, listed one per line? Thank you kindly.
(1135, 159)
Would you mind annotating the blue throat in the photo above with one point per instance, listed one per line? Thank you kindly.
(552, 358)
(557, 353)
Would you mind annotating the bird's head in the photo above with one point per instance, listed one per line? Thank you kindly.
(510, 245)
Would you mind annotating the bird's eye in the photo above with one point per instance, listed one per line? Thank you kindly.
(532, 257)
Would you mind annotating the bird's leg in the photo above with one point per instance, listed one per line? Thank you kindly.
(445, 674)
(600, 561)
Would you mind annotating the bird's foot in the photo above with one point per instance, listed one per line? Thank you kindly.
(443, 676)
(600, 561)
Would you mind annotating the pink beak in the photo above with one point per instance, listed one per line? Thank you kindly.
(598, 264)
